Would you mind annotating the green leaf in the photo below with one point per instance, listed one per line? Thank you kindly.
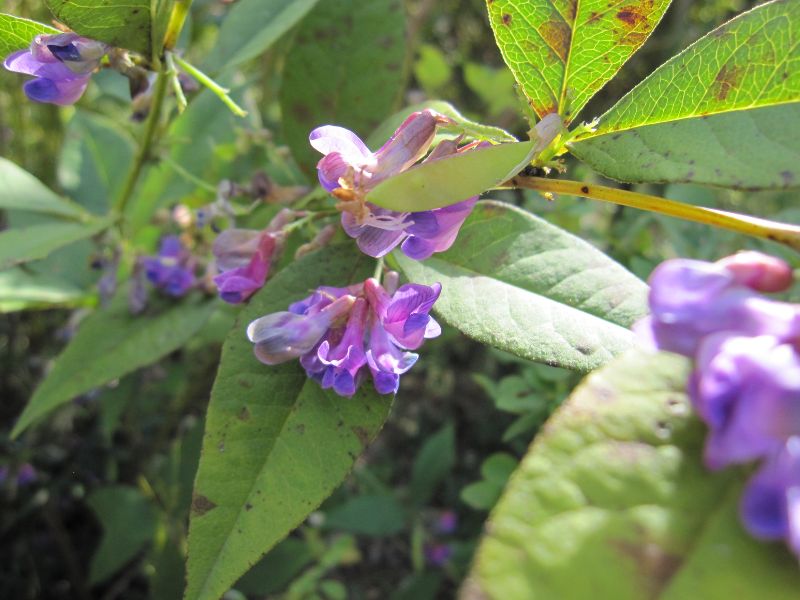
(20, 245)
(251, 27)
(347, 67)
(453, 179)
(276, 444)
(614, 489)
(21, 289)
(563, 51)
(17, 33)
(724, 112)
(517, 283)
(129, 523)
(472, 130)
(110, 343)
(432, 464)
(376, 515)
(23, 191)
(274, 572)
(124, 25)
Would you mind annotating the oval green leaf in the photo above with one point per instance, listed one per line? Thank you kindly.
(724, 112)
(517, 283)
(563, 51)
(614, 489)
(453, 179)
(276, 444)
(24, 244)
(346, 67)
(22, 191)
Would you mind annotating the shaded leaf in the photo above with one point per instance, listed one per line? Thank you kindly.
(276, 444)
(346, 68)
(376, 515)
(515, 282)
(125, 25)
(274, 572)
(614, 489)
(724, 112)
(251, 27)
(110, 343)
(21, 289)
(17, 33)
(129, 522)
(563, 51)
(23, 191)
(20, 245)
(432, 464)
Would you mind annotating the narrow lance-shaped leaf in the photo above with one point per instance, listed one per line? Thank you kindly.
(17, 33)
(21, 190)
(124, 24)
(346, 68)
(24, 244)
(724, 112)
(110, 343)
(276, 444)
(614, 489)
(515, 282)
(563, 51)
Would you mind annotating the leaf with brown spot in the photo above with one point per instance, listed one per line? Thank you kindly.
(614, 489)
(265, 473)
(724, 112)
(563, 51)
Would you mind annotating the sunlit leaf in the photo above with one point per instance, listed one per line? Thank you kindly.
(17, 33)
(614, 489)
(21, 190)
(563, 51)
(725, 112)
(515, 282)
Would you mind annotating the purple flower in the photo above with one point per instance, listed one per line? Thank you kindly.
(690, 299)
(770, 507)
(61, 65)
(349, 171)
(447, 522)
(747, 389)
(341, 335)
(437, 554)
(172, 271)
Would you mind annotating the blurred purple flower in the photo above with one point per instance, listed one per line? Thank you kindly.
(61, 65)
(342, 334)
(349, 171)
(747, 389)
(26, 475)
(770, 507)
(446, 523)
(172, 271)
(690, 299)
(437, 554)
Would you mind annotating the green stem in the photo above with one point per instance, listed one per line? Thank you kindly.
(201, 183)
(143, 152)
(789, 235)
(172, 71)
(217, 89)
(378, 273)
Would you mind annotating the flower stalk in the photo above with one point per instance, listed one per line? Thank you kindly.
(788, 235)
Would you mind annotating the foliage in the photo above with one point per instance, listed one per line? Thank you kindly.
(145, 445)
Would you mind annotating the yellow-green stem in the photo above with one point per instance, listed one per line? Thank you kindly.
(143, 152)
(176, 20)
(782, 233)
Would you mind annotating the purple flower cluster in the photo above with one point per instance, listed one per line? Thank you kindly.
(61, 65)
(746, 380)
(172, 271)
(244, 258)
(349, 171)
(341, 334)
